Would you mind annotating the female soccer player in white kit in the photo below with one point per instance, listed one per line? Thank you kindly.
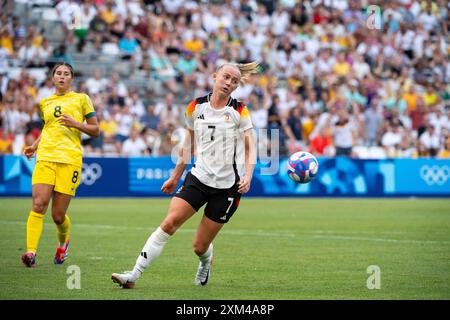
(221, 129)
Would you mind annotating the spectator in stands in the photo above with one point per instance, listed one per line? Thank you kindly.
(27, 53)
(97, 83)
(10, 115)
(422, 151)
(82, 23)
(275, 125)
(258, 111)
(125, 122)
(299, 15)
(373, 123)
(107, 12)
(98, 28)
(114, 98)
(279, 21)
(430, 140)
(45, 90)
(168, 110)
(406, 148)
(3, 84)
(445, 152)
(5, 77)
(6, 142)
(60, 54)
(128, 45)
(321, 142)
(353, 94)
(381, 69)
(164, 145)
(341, 67)
(392, 138)
(254, 41)
(411, 97)
(418, 116)
(444, 93)
(163, 69)
(360, 67)
(150, 120)
(260, 19)
(108, 127)
(6, 41)
(439, 121)
(17, 28)
(430, 97)
(344, 134)
(111, 47)
(186, 66)
(137, 108)
(95, 146)
(195, 44)
(116, 83)
(311, 104)
(134, 145)
(143, 28)
(294, 129)
(44, 53)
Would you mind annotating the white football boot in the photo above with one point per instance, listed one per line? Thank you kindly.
(126, 280)
(203, 272)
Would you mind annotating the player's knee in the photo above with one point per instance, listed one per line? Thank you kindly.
(199, 247)
(40, 205)
(58, 218)
(169, 226)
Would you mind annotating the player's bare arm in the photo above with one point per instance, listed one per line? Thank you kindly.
(250, 160)
(31, 150)
(184, 158)
(91, 126)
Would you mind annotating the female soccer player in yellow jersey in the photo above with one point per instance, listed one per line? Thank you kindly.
(58, 151)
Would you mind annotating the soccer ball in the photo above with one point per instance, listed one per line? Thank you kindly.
(302, 167)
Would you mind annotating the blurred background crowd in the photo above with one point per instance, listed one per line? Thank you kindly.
(332, 80)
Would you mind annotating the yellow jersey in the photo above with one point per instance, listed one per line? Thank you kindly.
(341, 69)
(60, 143)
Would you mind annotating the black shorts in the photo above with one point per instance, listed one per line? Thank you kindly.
(221, 203)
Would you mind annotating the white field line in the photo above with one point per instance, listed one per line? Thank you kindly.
(316, 234)
(239, 232)
(337, 237)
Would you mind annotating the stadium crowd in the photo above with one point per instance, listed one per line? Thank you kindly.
(332, 80)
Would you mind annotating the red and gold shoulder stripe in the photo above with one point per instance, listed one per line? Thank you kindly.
(242, 110)
(191, 107)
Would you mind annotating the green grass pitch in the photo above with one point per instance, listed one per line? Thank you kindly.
(272, 249)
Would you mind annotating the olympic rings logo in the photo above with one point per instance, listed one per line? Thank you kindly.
(435, 174)
(90, 173)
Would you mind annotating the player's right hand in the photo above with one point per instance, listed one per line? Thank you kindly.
(168, 186)
(29, 151)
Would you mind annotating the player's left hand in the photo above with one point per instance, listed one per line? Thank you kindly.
(68, 121)
(244, 186)
(29, 151)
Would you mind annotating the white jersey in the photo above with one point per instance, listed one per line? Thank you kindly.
(218, 140)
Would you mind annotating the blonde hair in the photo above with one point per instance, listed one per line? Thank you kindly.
(246, 69)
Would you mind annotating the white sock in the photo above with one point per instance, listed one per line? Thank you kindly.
(207, 255)
(152, 249)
